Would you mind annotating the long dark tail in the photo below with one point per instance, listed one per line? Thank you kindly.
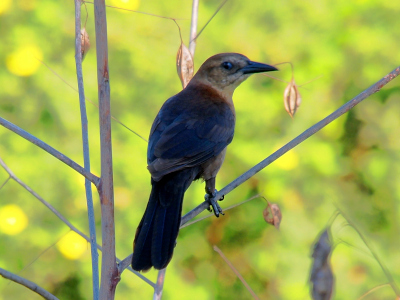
(157, 232)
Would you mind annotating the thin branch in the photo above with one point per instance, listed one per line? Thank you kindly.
(373, 290)
(34, 140)
(5, 182)
(375, 255)
(63, 219)
(293, 143)
(193, 27)
(212, 17)
(140, 12)
(226, 209)
(86, 156)
(158, 289)
(28, 284)
(109, 271)
(90, 101)
(236, 272)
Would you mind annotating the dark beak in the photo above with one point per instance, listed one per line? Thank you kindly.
(255, 67)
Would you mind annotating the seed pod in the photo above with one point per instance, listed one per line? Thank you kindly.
(274, 218)
(85, 43)
(184, 65)
(291, 98)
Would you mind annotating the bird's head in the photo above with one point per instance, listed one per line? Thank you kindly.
(224, 72)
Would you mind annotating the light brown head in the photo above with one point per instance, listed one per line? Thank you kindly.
(225, 71)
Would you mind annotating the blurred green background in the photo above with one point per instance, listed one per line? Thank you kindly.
(352, 163)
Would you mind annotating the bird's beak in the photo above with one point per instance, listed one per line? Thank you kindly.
(255, 67)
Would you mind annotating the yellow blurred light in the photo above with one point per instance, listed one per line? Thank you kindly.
(288, 161)
(4, 6)
(24, 61)
(12, 219)
(72, 246)
(126, 4)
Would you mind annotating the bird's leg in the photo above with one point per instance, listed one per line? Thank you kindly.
(210, 197)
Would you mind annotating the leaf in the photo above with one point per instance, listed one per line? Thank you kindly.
(184, 65)
(85, 43)
(291, 98)
(274, 217)
(321, 273)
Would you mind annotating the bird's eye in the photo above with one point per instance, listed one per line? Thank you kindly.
(227, 65)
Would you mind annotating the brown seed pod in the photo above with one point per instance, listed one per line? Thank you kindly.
(184, 65)
(85, 43)
(292, 98)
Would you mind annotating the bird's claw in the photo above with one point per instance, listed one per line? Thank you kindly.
(210, 198)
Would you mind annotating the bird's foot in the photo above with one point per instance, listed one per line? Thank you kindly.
(210, 198)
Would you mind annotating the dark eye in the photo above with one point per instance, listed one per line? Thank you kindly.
(227, 65)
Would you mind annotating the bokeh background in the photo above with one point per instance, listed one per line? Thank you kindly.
(353, 163)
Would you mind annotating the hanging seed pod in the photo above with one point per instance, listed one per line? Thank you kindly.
(272, 215)
(85, 43)
(184, 65)
(292, 98)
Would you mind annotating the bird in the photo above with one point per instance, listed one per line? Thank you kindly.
(188, 141)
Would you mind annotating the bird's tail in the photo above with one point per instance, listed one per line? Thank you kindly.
(157, 232)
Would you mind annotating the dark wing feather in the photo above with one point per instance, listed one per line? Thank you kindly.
(187, 132)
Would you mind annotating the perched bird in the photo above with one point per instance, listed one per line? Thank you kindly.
(188, 141)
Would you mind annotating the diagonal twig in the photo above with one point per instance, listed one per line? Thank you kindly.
(65, 159)
(236, 272)
(374, 254)
(28, 284)
(293, 143)
(61, 217)
(86, 157)
(87, 99)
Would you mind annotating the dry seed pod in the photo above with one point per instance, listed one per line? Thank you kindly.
(85, 43)
(321, 273)
(291, 98)
(184, 65)
(274, 218)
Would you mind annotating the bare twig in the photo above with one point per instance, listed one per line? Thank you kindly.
(373, 290)
(236, 272)
(28, 284)
(193, 27)
(86, 157)
(375, 255)
(212, 17)
(62, 218)
(140, 12)
(5, 182)
(159, 285)
(109, 271)
(226, 209)
(34, 140)
(90, 101)
(293, 143)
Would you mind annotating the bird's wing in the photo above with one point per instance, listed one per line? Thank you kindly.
(189, 138)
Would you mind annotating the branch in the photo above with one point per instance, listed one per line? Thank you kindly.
(28, 284)
(34, 140)
(193, 27)
(375, 255)
(293, 143)
(86, 157)
(109, 271)
(236, 272)
(159, 285)
(63, 219)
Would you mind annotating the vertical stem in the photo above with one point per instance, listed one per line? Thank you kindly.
(109, 272)
(193, 27)
(86, 158)
(159, 285)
